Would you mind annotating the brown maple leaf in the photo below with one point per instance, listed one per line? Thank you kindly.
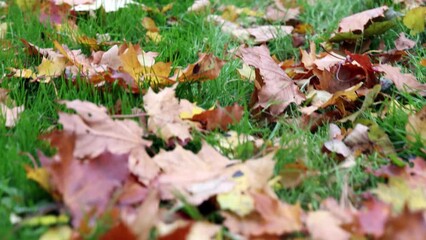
(403, 81)
(96, 133)
(358, 21)
(220, 117)
(86, 186)
(274, 90)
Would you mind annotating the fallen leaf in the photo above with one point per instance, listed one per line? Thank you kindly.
(246, 72)
(403, 81)
(164, 110)
(415, 20)
(199, 5)
(208, 67)
(403, 43)
(196, 177)
(408, 225)
(62, 232)
(272, 217)
(358, 21)
(50, 69)
(70, 176)
(220, 117)
(322, 225)
(274, 90)
(273, 13)
(416, 127)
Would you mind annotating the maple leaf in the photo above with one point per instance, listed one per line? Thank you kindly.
(8, 109)
(164, 111)
(196, 177)
(373, 217)
(259, 34)
(208, 66)
(70, 176)
(274, 90)
(403, 43)
(415, 20)
(358, 21)
(96, 132)
(416, 126)
(403, 81)
(271, 217)
(408, 225)
(219, 117)
(323, 225)
(49, 69)
(279, 13)
(199, 5)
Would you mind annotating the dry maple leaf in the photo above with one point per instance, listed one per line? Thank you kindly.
(323, 225)
(358, 21)
(274, 90)
(207, 66)
(96, 132)
(84, 186)
(416, 126)
(271, 217)
(408, 225)
(220, 117)
(403, 81)
(8, 113)
(403, 43)
(196, 177)
(199, 5)
(164, 110)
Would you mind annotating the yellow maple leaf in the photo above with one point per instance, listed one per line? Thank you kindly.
(415, 20)
(49, 69)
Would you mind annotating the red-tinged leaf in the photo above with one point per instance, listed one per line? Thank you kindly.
(408, 225)
(366, 65)
(403, 81)
(220, 117)
(53, 13)
(358, 21)
(403, 43)
(119, 231)
(373, 217)
(274, 90)
(207, 67)
(84, 186)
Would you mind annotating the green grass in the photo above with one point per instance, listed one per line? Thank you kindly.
(180, 44)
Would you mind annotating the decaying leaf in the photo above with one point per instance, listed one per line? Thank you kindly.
(220, 117)
(416, 127)
(415, 20)
(84, 186)
(274, 90)
(403, 81)
(164, 111)
(8, 109)
(358, 21)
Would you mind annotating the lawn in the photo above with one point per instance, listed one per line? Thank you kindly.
(307, 173)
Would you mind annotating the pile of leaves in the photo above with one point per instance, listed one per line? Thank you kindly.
(108, 171)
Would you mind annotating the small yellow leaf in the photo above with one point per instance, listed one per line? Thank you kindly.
(237, 200)
(415, 20)
(246, 72)
(39, 175)
(154, 36)
(149, 24)
(50, 69)
(63, 232)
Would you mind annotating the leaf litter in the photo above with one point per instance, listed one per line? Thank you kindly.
(108, 168)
